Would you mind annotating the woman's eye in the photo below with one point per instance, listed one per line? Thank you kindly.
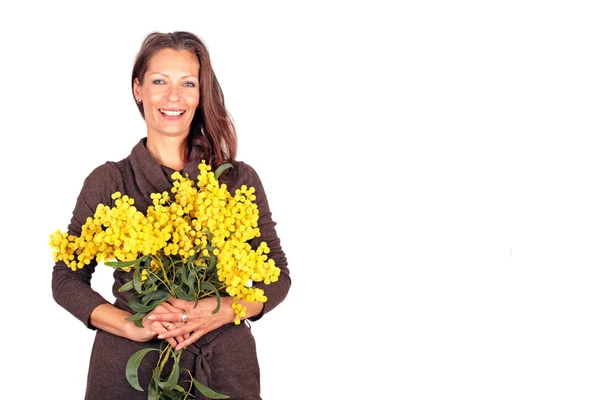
(189, 84)
(158, 81)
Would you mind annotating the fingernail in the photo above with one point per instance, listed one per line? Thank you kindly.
(161, 336)
(151, 317)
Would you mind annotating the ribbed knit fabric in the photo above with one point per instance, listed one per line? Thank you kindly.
(224, 359)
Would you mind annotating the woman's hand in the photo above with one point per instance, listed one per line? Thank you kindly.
(199, 320)
(152, 327)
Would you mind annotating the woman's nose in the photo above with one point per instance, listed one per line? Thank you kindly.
(173, 94)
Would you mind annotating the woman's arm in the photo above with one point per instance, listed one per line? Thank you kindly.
(72, 289)
(114, 320)
(200, 317)
(277, 291)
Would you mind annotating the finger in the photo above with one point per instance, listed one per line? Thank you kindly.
(179, 338)
(165, 317)
(193, 337)
(173, 342)
(179, 324)
(181, 304)
(171, 307)
(178, 331)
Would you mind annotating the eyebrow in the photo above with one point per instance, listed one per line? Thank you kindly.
(160, 73)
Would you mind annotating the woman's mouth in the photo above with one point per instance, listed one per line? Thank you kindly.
(171, 113)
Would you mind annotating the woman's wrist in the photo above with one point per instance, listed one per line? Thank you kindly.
(252, 309)
(114, 320)
(131, 331)
(226, 310)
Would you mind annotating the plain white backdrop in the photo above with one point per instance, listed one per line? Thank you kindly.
(433, 168)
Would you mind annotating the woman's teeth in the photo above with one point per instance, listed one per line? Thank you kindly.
(170, 113)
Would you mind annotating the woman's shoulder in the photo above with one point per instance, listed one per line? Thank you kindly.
(107, 177)
(244, 173)
(102, 173)
(99, 183)
(111, 170)
(244, 168)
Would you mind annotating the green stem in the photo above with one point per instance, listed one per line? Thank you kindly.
(162, 267)
(164, 274)
(189, 392)
(164, 356)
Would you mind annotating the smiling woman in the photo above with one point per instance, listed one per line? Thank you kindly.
(188, 127)
(168, 93)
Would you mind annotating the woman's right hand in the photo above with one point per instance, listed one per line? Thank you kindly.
(153, 328)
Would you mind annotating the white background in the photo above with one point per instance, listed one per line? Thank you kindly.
(433, 168)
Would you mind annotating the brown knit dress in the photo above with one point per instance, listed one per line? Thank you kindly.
(224, 359)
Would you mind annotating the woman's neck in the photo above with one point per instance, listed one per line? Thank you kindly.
(166, 151)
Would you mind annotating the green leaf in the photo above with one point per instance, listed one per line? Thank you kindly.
(137, 319)
(121, 264)
(192, 259)
(179, 388)
(206, 391)
(171, 382)
(152, 278)
(171, 395)
(144, 261)
(160, 295)
(126, 286)
(222, 168)
(209, 286)
(153, 393)
(205, 285)
(165, 261)
(149, 289)
(181, 294)
(206, 259)
(140, 308)
(212, 264)
(191, 279)
(137, 280)
(133, 364)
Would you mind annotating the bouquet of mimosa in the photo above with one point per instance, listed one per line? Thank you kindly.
(189, 244)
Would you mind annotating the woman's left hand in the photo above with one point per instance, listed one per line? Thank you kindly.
(196, 321)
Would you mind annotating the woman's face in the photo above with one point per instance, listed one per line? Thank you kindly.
(169, 92)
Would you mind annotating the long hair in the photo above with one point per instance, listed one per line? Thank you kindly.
(212, 129)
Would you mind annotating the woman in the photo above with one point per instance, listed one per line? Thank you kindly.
(181, 101)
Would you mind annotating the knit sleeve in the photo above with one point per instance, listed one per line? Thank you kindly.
(277, 291)
(72, 289)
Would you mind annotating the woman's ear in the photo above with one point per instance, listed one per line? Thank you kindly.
(137, 90)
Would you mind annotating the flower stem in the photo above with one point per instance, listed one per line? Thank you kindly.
(168, 286)
(164, 356)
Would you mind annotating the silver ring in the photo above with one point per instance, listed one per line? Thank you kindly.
(183, 317)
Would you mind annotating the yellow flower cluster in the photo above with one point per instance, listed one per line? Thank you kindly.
(194, 217)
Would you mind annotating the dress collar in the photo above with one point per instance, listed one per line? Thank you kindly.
(151, 175)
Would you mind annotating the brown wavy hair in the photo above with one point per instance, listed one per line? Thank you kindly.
(212, 130)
